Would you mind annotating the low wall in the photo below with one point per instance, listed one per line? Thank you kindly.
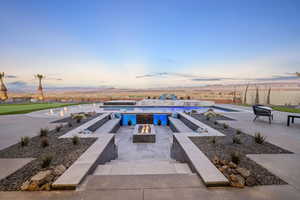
(188, 123)
(98, 124)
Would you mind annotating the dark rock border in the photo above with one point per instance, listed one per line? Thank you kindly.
(223, 147)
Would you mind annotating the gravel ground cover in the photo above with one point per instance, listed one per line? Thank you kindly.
(223, 147)
(63, 152)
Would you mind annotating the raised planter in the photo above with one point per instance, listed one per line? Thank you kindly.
(184, 150)
(102, 151)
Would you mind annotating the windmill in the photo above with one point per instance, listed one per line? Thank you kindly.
(3, 89)
(40, 88)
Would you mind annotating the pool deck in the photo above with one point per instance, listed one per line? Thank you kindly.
(283, 165)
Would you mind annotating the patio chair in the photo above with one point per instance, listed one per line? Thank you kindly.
(260, 110)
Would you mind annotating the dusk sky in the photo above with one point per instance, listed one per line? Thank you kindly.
(141, 44)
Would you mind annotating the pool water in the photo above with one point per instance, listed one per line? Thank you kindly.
(164, 108)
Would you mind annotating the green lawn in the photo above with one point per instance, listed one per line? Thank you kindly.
(279, 108)
(286, 109)
(8, 109)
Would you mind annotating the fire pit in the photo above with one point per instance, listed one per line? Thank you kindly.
(144, 133)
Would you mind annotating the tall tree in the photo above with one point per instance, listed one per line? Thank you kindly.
(234, 96)
(40, 88)
(257, 96)
(3, 89)
(245, 95)
(269, 96)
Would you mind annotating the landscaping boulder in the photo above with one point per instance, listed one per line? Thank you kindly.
(46, 187)
(224, 162)
(38, 180)
(42, 177)
(224, 168)
(29, 186)
(216, 160)
(250, 181)
(232, 165)
(59, 170)
(237, 181)
(244, 172)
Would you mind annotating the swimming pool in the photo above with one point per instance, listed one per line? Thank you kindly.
(165, 108)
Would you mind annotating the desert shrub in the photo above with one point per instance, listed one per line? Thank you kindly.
(44, 132)
(58, 128)
(79, 117)
(213, 140)
(236, 140)
(70, 124)
(225, 126)
(46, 161)
(44, 142)
(75, 140)
(238, 131)
(235, 157)
(24, 141)
(259, 139)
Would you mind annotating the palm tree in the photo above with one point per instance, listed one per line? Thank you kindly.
(40, 88)
(3, 89)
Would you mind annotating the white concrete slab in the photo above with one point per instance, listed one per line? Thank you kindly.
(11, 165)
(13, 127)
(286, 166)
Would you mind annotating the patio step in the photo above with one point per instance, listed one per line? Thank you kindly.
(124, 182)
(142, 167)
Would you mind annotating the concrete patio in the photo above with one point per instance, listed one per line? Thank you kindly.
(13, 127)
(286, 166)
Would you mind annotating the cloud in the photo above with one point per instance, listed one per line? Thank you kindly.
(18, 84)
(205, 79)
(157, 74)
(11, 76)
(55, 79)
(166, 74)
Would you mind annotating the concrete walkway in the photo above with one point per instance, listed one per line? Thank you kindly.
(191, 193)
(11, 165)
(13, 127)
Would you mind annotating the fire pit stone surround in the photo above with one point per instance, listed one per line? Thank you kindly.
(144, 133)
